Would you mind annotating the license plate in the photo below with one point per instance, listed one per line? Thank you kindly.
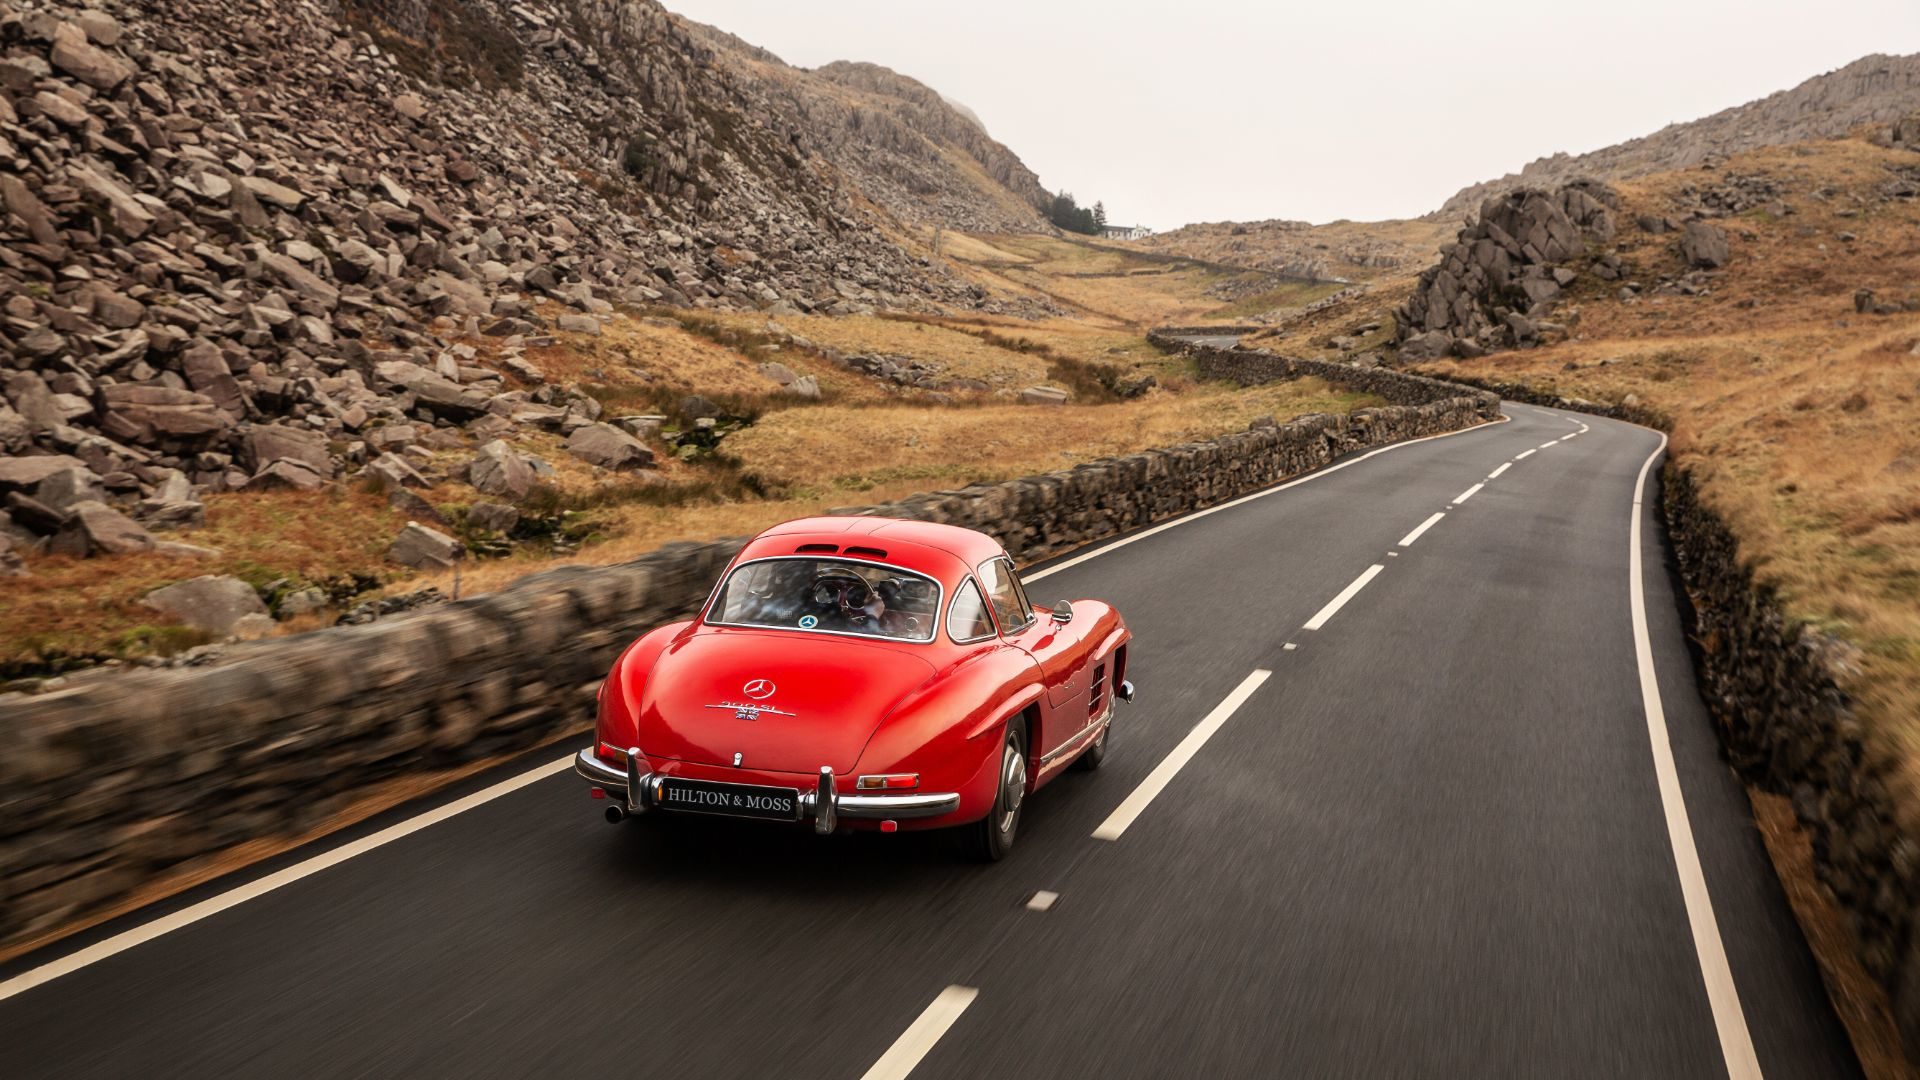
(734, 800)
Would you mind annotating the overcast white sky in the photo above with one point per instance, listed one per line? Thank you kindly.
(1359, 109)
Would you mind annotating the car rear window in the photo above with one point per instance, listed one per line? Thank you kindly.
(830, 596)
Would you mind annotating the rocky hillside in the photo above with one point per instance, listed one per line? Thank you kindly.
(1872, 90)
(903, 145)
(239, 240)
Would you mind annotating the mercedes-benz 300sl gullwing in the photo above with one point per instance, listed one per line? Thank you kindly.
(861, 673)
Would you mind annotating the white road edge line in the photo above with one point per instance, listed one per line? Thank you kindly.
(1469, 493)
(1495, 474)
(1736, 1044)
(191, 914)
(1334, 605)
(914, 1043)
(1275, 490)
(1163, 773)
(1407, 540)
(1524, 456)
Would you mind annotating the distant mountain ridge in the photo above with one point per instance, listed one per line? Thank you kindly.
(1875, 89)
(904, 145)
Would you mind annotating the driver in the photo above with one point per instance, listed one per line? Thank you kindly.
(846, 592)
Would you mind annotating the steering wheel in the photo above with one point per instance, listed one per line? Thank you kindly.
(849, 593)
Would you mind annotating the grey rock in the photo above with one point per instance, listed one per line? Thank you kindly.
(424, 549)
(499, 470)
(94, 528)
(1043, 395)
(1704, 244)
(302, 602)
(20, 473)
(265, 444)
(493, 517)
(64, 490)
(609, 447)
(213, 603)
(393, 471)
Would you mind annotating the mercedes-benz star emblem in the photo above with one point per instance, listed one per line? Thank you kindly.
(758, 689)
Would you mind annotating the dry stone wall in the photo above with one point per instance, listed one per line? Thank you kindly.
(126, 775)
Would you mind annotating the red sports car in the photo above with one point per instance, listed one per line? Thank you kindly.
(862, 673)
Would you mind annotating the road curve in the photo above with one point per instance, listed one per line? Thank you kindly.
(1431, 841)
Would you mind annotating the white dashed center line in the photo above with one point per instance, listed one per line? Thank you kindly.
(1163, 773)
(1544, 445)
(1334, 605)
(1469, 493)
(1407, 540)
(1043, 901)
(914, 1043)
(1495, 474)
(1526, 455)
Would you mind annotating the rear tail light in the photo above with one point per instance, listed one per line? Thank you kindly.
(614, 754)
(890, 782)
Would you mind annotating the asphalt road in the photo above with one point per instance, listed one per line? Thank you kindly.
(1431, 843)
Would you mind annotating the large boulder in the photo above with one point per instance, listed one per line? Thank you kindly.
(21, 473)
(153, 412)
(214, 603)
(73, 54)
(432, 391)
(423, 548)
(94, 528)
(264, 444)
(70, 487)
(609, 447)
(498, 470)
(1704, 245)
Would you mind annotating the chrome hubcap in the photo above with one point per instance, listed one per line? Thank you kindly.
(1013, 787)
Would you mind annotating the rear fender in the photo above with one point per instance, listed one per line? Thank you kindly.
(615, 724)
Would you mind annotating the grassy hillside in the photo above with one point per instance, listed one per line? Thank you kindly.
(1800, 415)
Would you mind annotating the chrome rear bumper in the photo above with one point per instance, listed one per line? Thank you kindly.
(823, 804)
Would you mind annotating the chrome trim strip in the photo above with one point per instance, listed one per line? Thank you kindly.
(592, 768)
(1105, 717)
(939, 599)
(918, 804)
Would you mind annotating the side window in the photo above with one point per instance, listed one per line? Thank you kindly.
(967, 619)
(1009, 606)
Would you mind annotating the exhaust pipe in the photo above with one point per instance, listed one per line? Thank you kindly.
(1126, 691)
(616, 814)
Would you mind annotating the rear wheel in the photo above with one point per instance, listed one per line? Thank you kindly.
(990, 838)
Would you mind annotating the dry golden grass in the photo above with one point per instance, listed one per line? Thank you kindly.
(1102, 282)
(1800, 418)
(959, 355)
(68, 606)
(829, 457)
(851, 452)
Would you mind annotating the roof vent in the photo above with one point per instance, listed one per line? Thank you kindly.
(875, 553)
(811, 549)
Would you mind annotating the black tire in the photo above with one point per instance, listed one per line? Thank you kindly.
(1096, 754)
(990, 838)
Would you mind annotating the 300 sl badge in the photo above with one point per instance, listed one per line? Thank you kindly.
(743, 710)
